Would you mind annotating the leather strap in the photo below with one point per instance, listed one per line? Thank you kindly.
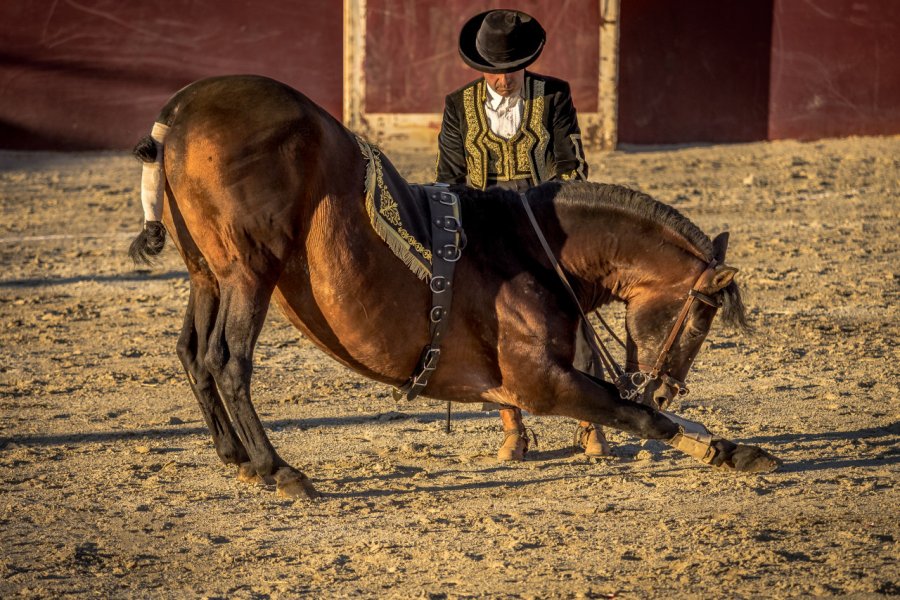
(679, 322)
(596, 344)
(618, 375)
(447, 243)
(696, 444)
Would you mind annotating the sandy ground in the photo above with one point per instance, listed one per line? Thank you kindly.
(109, 485)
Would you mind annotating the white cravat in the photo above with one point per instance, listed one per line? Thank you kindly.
(504, 113)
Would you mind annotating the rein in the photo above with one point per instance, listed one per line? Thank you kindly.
(630, 384)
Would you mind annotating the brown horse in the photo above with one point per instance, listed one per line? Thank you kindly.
(264, 198)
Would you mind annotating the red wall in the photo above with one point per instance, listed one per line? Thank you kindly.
(694, 71)
(835, 68)
(93, 74)
(412, 59)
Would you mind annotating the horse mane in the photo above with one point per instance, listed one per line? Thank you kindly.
(589, 196)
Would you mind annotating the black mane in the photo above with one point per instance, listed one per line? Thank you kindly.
(590, 195)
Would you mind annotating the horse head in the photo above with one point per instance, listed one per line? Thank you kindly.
(667, 323)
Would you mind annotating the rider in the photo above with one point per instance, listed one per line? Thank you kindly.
(513, 129)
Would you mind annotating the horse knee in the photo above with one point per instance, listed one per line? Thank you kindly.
(215, 359)
(232, 374)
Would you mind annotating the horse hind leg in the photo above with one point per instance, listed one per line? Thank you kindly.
(229, 357)
(192, 348)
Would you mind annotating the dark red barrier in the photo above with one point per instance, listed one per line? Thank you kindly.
(694, 71)
(93, 74)
(835, 69)
(412, 61)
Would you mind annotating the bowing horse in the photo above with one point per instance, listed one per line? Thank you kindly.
(266, 196)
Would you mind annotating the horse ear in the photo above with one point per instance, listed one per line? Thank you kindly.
(720, 280)
(720, 245)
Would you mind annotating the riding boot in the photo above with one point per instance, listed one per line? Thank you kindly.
(590, 437)
(515, 440)
(515, 445)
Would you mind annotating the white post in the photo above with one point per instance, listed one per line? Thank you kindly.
(608, 89)
(354, 57)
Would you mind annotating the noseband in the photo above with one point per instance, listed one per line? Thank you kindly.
(631, 384)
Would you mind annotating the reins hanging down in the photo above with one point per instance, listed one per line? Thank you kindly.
(598, 348)
(631, 384)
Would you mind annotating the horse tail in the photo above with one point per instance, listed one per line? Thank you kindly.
(150, 241)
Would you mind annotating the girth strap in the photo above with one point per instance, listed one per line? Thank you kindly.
(447, 243)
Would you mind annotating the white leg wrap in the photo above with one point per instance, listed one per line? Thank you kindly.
(153, 185)
(686, 424)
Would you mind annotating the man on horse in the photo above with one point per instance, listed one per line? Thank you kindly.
(514, 129)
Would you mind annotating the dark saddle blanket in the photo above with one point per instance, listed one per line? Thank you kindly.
(399, 212)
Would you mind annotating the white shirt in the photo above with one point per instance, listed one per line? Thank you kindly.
(504, 113)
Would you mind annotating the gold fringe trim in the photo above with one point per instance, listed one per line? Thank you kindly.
(394, 235)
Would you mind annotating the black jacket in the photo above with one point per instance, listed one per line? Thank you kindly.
(546, 147)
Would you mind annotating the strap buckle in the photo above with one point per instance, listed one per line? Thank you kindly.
(429, 364)
(445, 198)
(448, 223)
(439, 284)
(450, 252)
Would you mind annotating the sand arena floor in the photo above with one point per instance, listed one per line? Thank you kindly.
(109, 485)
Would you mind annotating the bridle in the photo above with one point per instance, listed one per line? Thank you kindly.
(631, 384)
(636, 382)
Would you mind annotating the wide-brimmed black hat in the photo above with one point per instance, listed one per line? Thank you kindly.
(501, 41)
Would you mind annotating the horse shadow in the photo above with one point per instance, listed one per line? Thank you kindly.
(886, 437)
(427, 489)
(185, 430)
(137, 276)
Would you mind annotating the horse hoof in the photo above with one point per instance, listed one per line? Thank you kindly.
(290, 483)
(750, 459)
(247, 474)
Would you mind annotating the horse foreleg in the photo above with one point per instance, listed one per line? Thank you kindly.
(242, 311)
(587, 399)
(192, 348)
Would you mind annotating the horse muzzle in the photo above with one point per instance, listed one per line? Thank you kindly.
(659, 391)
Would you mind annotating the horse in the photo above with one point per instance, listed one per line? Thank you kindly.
(261, 192)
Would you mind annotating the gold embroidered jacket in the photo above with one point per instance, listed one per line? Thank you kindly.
(547, 145)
